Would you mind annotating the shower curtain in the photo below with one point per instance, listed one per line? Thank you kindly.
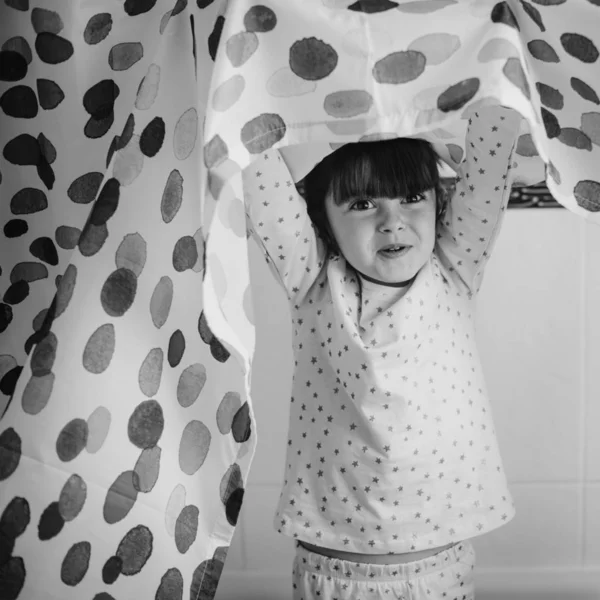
(126, 320)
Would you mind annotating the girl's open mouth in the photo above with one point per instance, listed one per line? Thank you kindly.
(394, 251)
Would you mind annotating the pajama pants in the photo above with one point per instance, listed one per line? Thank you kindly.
(447, 575)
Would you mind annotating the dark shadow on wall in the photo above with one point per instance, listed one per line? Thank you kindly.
(531, 196)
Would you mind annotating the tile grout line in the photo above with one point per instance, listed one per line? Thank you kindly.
(583, 445)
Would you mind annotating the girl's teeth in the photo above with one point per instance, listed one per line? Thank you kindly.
(394, 249)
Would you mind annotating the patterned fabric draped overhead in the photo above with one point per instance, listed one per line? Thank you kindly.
(126, 320)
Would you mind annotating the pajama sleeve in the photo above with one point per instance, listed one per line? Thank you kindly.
(281, 225)
(469, 228)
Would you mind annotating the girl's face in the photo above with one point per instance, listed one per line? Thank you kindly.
(387, 239)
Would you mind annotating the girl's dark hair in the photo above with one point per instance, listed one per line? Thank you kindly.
(400, 167)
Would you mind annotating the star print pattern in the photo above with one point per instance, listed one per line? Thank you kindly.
(391, 444)
(280, 224)
(469, 229)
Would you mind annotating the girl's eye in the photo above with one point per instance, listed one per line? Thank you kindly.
(361, 204)
(415, 198)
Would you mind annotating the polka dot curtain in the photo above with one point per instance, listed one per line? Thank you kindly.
(126, 328)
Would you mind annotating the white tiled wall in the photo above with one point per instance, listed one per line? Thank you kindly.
(539, 335)
(591, 299)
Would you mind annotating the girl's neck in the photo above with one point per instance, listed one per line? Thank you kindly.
(372, 289)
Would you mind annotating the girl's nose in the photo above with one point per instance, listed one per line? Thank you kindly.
(391, 220)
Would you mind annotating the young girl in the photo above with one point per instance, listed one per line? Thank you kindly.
(392, 462)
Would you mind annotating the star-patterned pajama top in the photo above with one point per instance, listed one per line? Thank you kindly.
(391, 442)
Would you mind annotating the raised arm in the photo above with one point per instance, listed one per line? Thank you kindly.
(281, 224)
(468, 231)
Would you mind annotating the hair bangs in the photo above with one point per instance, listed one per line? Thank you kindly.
(397, 168)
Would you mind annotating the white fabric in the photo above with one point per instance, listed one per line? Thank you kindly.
(447, 575)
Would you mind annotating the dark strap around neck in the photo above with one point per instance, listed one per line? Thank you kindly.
(399, 284)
